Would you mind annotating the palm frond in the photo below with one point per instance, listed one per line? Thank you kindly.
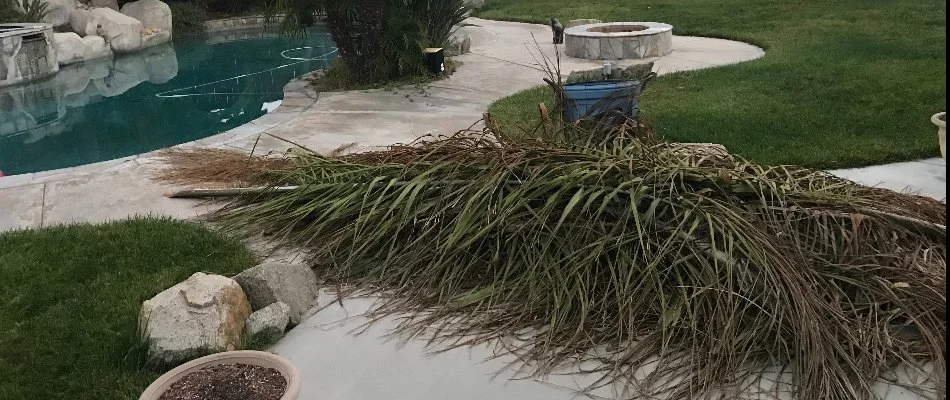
(682, 276)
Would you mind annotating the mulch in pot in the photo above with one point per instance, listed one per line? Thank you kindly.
(229, 382)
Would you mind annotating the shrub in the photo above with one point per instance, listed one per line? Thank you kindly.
(187, 17)
(27, 11)
(357, 27)
(379, 40)
(401, 44)
(438, 17)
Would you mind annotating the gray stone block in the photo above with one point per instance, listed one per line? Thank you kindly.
(293, 284)
(269, 323)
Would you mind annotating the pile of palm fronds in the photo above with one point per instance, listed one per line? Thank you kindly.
(684, 277)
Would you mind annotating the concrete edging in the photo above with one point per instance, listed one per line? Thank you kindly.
(236, 23)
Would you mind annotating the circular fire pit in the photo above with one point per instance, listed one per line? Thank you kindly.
(619, 40)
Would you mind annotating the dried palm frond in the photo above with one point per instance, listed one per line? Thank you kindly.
(219, 167)
(684, 274)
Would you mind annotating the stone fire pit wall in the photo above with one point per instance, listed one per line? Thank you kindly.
(619, 40)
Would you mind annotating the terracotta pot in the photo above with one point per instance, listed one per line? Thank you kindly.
(290, 373)
(940, 119)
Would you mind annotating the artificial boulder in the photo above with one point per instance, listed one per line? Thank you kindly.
(155, 37)
(268, 283)
(460, 44)
(113, 4)
(269, 323)
(152, 13)
(58, 11)
(123, 33)
(95, 47)
(69, 48)
(202, 315)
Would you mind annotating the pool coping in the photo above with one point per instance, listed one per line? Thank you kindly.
(299, 96)
(236, 23)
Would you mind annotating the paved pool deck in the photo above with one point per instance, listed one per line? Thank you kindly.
(502, 62)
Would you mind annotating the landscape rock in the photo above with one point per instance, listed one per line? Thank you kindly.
(576, 22)
(69, 48)
(113, 4)
(268, 323)
(461, 44)
(633, 72)
(268, 283)
(202, 315)
(155, 37)
(58, 11)
(152, 14)
(121, 32)
(95, 47)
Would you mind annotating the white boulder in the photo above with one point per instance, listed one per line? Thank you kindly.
(69, 48)
(95, 47)
(268, 323)
(204, 314)
(113, 4)
(269, 283)
(155, 37)
(58, 11)
(152, 13)
(121, 32)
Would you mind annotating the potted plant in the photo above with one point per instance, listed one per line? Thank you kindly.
(238, 374)
(940, 119)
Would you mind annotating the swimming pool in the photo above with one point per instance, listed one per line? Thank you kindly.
(166, 95)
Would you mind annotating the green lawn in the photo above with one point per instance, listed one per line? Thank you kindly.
(843, 83)
(70, 297)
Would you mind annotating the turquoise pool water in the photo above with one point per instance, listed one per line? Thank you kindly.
(163, 96)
